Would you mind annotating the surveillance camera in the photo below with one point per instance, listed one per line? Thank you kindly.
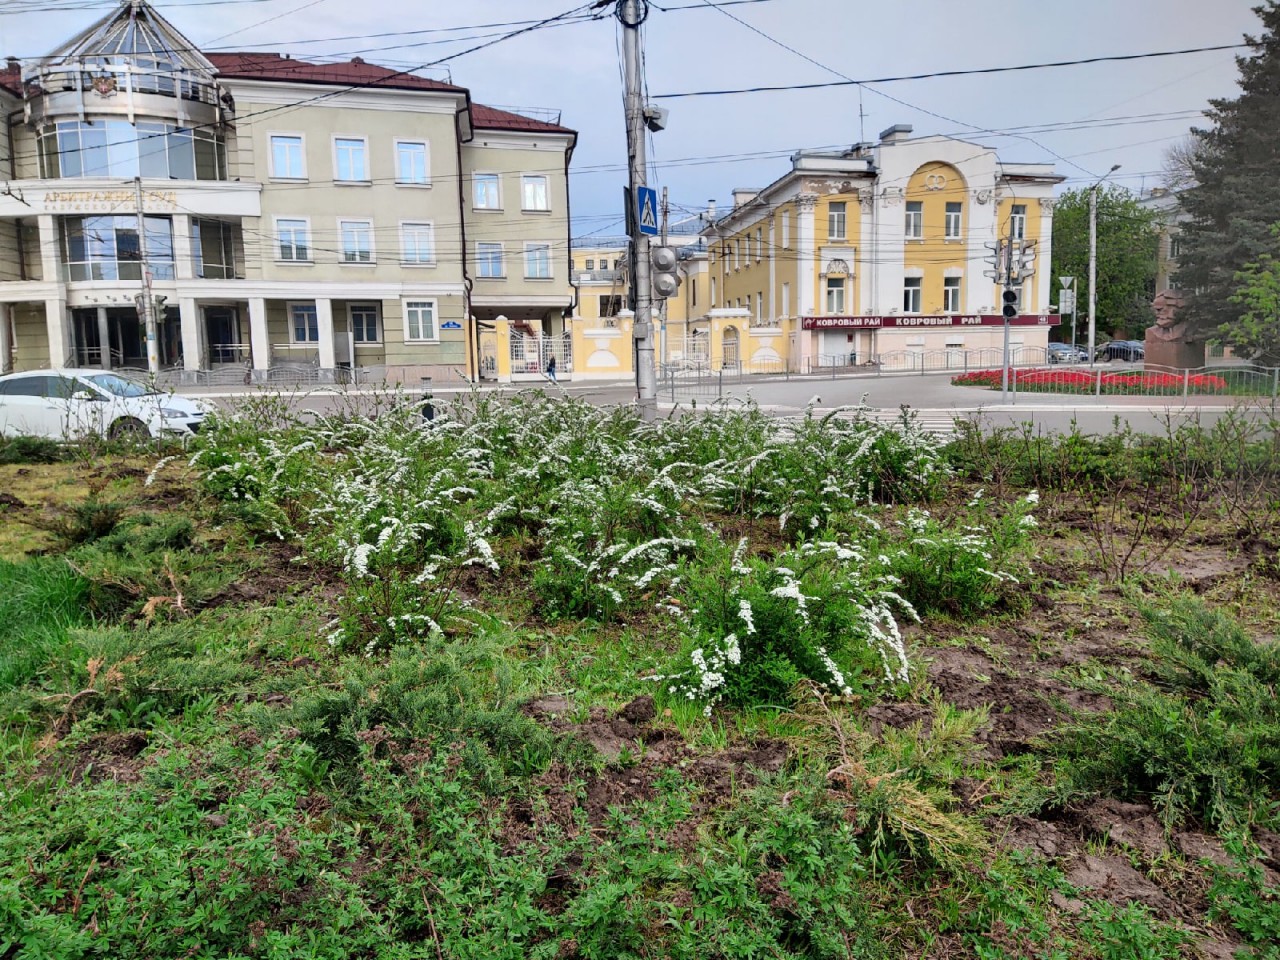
(655, 118)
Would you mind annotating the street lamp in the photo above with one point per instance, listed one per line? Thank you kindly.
(1093, 259)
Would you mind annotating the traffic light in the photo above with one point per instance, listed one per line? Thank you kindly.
(665, 281)
(1010, 298)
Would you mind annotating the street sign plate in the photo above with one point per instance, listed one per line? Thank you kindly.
(1067, 301)
(647, 210)
(1066, 281)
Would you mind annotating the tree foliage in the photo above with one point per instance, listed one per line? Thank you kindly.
(1128, 242)
(1256, 332)
(1236, 164)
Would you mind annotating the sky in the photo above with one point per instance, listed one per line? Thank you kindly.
(1125, 113)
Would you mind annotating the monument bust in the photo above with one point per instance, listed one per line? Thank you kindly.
(1171, 343)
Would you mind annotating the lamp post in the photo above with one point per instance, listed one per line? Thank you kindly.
(1093, 260)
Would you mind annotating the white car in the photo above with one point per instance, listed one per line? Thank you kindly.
(66, 404)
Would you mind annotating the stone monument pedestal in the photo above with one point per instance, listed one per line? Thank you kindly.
(1174, 354)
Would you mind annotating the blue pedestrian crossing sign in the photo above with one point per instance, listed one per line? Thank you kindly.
(647, 210)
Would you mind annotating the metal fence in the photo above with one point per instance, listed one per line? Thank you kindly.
(1150, 381)
(531, 354)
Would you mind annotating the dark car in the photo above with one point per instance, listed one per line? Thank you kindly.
(1066, 353)
(1128, 350)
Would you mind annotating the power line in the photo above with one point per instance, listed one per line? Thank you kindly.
(951, 73)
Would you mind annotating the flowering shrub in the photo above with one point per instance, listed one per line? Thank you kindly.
(822, 611)
(1082, 381)
(967, 565)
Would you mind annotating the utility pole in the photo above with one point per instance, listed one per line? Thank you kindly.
(146, 303)
(1008, 310)
(1093, 259)
(662, 304)
(631, 14)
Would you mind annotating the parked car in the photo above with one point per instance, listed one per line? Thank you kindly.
(1129, 350)
(1066, 353)
(66, 404)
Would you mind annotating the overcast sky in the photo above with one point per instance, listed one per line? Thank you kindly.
(575, 68)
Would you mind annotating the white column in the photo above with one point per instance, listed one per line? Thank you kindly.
(50, 247)
(6, 338)
(806, 255)
(192, 330)
(259, 342)
(104, 338)
(772, 314)
(183, 254)
(1046, 283)
(324, 322)
(55, 315)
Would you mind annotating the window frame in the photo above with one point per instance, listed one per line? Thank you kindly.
(829, 289)
(1018, 216)
(302, 153)
(502, 260)
(948, 285)
(342, 242)
(339, 180)
(786, 229)
(915, 216)
(407, 304)
(950, 216)
(530, 245)
(525, 179)
(306, 222)
(376, 307)
(475, 181)
(404, 258)
(916, 285)
(843, 220)
(426, 161)
(289, 307)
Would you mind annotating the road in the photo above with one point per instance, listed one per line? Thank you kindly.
(931, 396)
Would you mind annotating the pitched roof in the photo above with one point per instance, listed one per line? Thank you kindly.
(491, 118)
(354, 72)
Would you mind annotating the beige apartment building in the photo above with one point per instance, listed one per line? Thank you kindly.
(286, 218)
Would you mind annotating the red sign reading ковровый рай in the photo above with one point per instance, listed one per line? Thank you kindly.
(947, 320)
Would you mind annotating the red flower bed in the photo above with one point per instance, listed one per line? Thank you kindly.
(1081, 381)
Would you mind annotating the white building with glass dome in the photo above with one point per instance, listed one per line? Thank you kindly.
(285, 218)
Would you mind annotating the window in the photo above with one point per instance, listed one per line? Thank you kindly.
(951, 295)
(693, 291)
(419, 320)
(786, 229)
(748, 303)
(1175, 248)
(759, 305)
(915, 220)
(911, 295)
(487, 191)
(117, 148)
(537, 261)
(836, 213)
(213, 249)
(737, 261)
(292, 242)
(107, 248)
(304, 324)
(1018, 221)
(713, 290)
(533, 193)
(489, 260)
(591, 264)
(364, 322)
(952, 227)
(287, 159)
(417, 243)
(786, 299)
(356, 238)
(350, 163)
(759, 242)
(835, 296)
(610, 305)
(411, 162)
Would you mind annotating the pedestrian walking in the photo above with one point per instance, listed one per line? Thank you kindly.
(551, 369)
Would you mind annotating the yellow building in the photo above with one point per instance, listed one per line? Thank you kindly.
(879, 252)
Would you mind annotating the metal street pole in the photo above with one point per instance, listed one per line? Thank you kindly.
(146, 304)
(1008, 284)
(632, 13)
(662, 304)
(1093, 261)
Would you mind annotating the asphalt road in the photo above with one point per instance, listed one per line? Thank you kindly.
(931, 396)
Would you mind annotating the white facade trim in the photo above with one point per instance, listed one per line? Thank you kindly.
(274, 93)
(511, 140)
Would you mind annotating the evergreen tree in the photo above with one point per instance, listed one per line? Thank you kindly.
(1236, 199)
